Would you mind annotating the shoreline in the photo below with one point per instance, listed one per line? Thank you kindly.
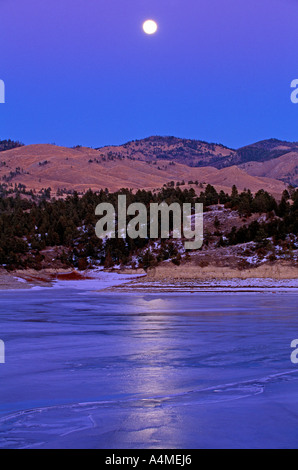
(149, 285)
(50, 278)
(137, 281)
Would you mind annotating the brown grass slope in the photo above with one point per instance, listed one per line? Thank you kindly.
(284, 168)
(42, 166)
(186, 151)
(198, 153)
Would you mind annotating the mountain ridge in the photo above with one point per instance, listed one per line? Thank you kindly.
(150, 163)
(199, 153)
(43, 165)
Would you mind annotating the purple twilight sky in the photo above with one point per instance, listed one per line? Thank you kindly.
(83, 71)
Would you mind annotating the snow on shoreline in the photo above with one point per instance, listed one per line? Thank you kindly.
(122, 283)
(100, 280)
(139, 283)
(212, 285)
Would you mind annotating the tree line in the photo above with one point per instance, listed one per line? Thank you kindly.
(28, 226)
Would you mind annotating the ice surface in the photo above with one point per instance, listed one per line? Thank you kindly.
(104, 370)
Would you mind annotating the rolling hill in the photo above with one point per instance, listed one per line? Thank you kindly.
(281, 155)
(198, 153)
(43, 166)
(284, 168)
(266, 150)
(194, 153)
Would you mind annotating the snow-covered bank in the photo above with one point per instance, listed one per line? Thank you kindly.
(215, 285)
(85, 280)
(100, 280)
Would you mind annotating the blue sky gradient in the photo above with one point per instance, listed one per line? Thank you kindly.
(83, 72)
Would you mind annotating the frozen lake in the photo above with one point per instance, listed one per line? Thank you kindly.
(105, 370)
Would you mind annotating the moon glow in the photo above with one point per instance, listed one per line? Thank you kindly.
(150, 27)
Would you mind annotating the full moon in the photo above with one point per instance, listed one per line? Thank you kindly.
(150, 27)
